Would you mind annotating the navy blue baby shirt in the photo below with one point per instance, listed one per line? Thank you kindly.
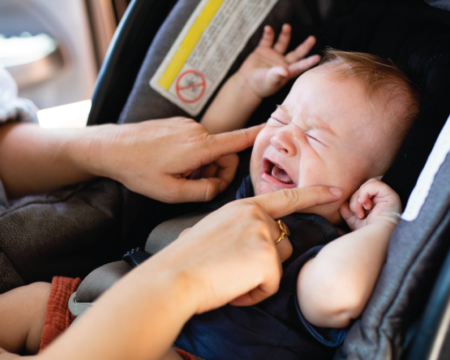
(274, 328)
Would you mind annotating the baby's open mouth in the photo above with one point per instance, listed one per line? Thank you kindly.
(277, 172)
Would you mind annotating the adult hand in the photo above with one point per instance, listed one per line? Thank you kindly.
(154, 158)
(231, 252)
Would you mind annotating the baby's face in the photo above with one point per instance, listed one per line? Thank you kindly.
(322, 134)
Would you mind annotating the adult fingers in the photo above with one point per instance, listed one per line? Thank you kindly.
(199, 190)
(255, 296)
(283, 39)
(285, 249)
(228, 143)
(209, 171)
(227, 166)
(267, 288)
(268, 36)
(302, 50)
(301, 66)
(284, 202)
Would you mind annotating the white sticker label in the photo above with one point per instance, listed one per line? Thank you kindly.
(206, 48)
(420, 192)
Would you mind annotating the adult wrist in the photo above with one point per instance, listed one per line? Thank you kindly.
(90, 149)
(178, 283)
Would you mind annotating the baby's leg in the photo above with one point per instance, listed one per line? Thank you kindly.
(22, 314)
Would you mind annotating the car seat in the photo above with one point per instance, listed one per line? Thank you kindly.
(413, 34)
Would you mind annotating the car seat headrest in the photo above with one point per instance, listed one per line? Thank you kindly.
(441, 4)
(418, 42)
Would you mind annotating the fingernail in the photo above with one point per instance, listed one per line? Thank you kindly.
(335, 191)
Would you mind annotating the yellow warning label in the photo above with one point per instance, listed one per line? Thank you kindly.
(189, 43)
(205, 49)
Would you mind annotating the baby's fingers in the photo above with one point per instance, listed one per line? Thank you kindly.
(267, 38)
(301, 66)
(375, 192)
(302, 50)
(348, 215)
(184, 231)
(371, 189)
(345, 211)
(283, 39)
(277, 75)
(356, 207)
(365, 201)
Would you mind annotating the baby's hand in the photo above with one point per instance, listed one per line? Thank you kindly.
(267, 69)
(374, 201)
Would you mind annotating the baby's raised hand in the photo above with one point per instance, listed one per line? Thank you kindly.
(267, 69)
(374, 201)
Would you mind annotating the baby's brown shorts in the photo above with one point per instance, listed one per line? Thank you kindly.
(58, 317)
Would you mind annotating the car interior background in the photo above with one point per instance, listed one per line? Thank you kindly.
(54, 50)
(97, 222)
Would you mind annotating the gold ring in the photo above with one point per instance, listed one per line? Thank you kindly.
(284, 231)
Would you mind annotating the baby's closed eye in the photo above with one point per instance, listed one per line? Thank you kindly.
(314, 138)
(276, 121)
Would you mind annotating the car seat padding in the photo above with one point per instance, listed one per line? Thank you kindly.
(418, 41)
(144, 103)
(67, 232)
(416, 251)
(168, 231)
(99, 280)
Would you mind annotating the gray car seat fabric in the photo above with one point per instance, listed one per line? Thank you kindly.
(416, 251)
(145, 103)
(68, 232)
(441, 4)
(101, 279)
(169, 230)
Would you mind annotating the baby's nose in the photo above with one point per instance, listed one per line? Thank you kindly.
(284, 143)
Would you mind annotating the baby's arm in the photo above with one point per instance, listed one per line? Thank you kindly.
(334, 287)
(263, 73)
(22, 314)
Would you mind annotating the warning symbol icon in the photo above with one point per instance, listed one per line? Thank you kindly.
(190, 86)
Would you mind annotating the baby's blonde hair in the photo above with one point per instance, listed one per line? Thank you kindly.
(380, 77)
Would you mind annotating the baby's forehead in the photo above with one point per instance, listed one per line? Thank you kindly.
(333, 86)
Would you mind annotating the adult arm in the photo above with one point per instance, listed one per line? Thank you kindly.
(152, 158)
(5, 355)
(229, 256)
